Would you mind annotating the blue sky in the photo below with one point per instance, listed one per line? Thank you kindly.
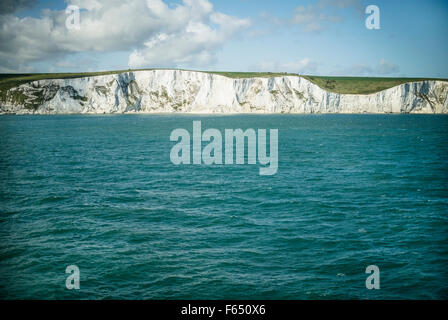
(322, 37)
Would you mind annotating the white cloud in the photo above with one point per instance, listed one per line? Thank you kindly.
(304, 66)
(309, 18)
(75, 62)
(342, 3)
(384, 67)
(315, 17)
(87, 4)
(10, 6)
(387, 67)
(158, 34)
(194, 44)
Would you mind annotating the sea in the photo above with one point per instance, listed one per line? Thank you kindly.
(99, 193)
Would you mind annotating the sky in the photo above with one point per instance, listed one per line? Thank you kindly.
(316, 37)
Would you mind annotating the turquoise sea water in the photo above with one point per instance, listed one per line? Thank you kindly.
(100, 192)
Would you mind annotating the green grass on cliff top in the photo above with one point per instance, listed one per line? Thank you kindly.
(343, 85)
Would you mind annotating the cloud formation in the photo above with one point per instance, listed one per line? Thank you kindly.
(193, 44)
(383, 68)
(11, 6)
(315, 17)
(386, 67)
(158, 34)
(304, 66)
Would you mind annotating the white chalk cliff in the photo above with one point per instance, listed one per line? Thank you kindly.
(160, 91)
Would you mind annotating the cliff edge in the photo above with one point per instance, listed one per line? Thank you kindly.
(169, 91)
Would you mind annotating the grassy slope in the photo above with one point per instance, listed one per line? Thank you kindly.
(345, 85)
(8, 81)
(360, 85)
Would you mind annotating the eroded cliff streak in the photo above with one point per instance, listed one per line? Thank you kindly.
(160, 91)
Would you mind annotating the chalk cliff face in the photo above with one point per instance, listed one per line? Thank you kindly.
(160, 91)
